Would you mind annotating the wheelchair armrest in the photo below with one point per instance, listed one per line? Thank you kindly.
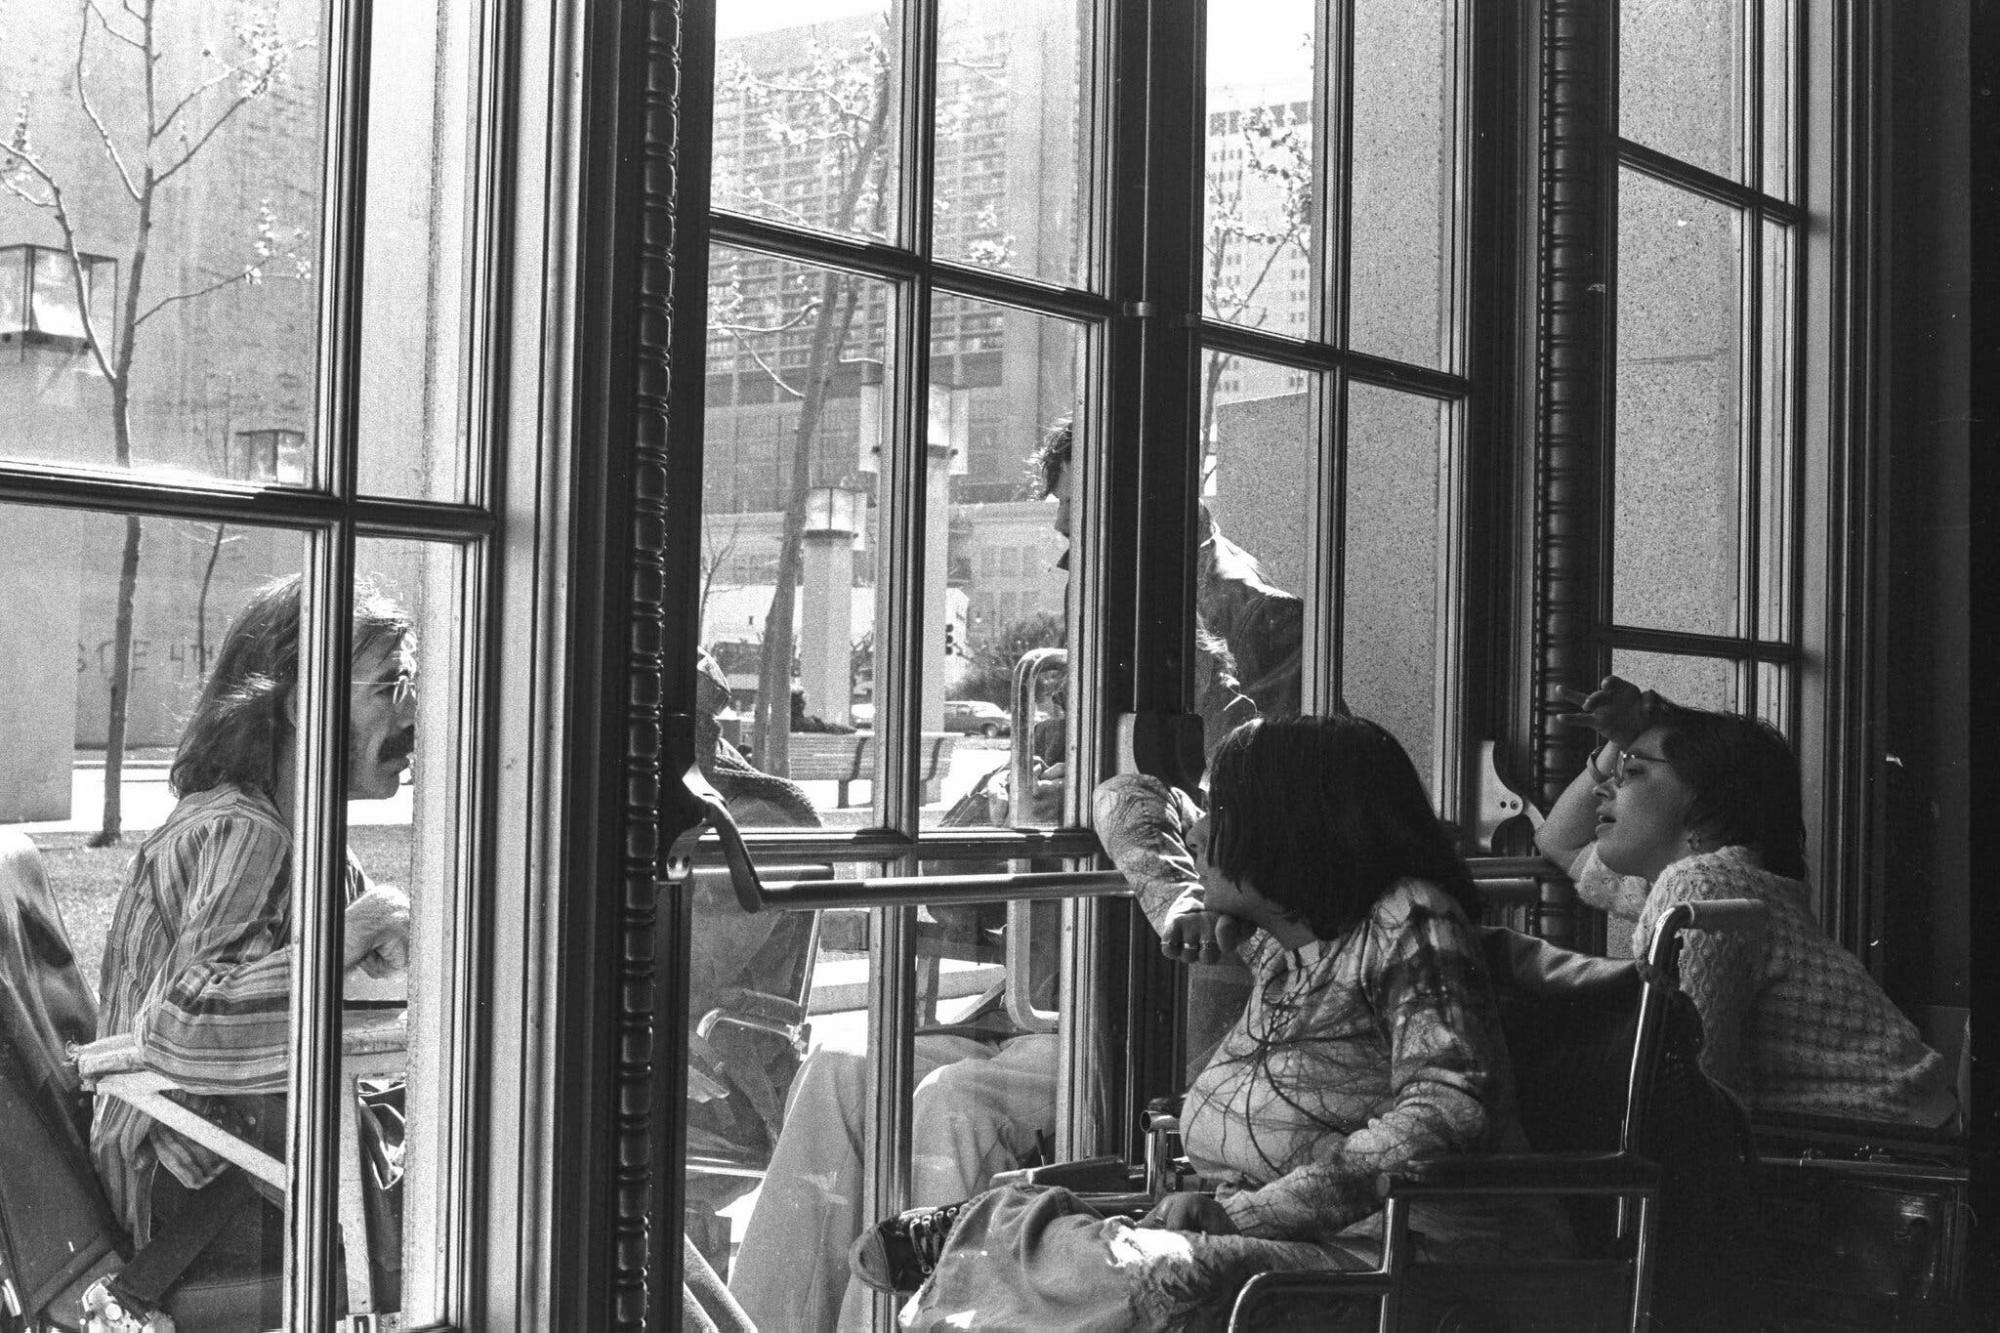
(1088, 1175)
(1521, 1173)
(758, 1011)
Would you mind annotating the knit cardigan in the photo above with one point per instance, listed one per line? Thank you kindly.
(1793, 1022)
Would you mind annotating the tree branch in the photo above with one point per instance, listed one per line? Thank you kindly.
(111, 32)
(83, 98)
(763, 365)
(242, 100)
(193, 294)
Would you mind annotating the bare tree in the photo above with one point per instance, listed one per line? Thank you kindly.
(171, 133)
(840, 106)
(1259, 215)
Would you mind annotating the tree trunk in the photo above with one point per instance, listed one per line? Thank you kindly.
(201, 606)
(121, 689)
(838, 299)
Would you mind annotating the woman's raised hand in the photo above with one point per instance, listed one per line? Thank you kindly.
(1616, 710)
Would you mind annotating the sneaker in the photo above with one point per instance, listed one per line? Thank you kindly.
(898, 1253)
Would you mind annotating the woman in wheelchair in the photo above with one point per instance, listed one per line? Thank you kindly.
(1684, 805)
(1370, 1037)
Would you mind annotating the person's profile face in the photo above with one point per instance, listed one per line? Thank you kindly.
(1060, 493)
(1642, 811)
(381, 720)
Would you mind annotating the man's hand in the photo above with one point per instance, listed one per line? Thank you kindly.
(376, 934)
(1190, 1211)
(1192, 935)
(1616, 710)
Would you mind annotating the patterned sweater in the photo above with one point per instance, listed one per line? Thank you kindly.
(1793, 1022)
(1352, 1056)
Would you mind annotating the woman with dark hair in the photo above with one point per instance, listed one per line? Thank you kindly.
(1685, 805)
(1370, 1037)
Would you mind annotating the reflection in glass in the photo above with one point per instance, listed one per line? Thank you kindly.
(211, 244)
(1260, 247)
(806, 117)
(1394, 564)
(1259, 494)
(1699, 682)
(984, 1098)
(790, 555)
(1680, 79)
(1008, 192)
(1680, 413)
(412, 443)
(1401, 197)
(996, 552)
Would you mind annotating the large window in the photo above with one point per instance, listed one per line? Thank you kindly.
(222, 439)
(933, 324)
(1702, 585)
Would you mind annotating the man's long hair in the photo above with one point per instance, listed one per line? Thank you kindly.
(1323, 815)
(240, 716)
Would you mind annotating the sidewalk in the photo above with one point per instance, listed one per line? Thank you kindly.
(146, 802)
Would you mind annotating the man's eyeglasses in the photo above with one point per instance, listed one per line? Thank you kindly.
(401, 687)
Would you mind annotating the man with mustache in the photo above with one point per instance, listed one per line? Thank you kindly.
(198, 961)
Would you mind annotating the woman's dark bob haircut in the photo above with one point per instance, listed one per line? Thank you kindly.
(1745, 781)
(1323, 815)
(240, 716)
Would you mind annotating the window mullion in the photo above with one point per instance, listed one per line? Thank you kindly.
(318, 862)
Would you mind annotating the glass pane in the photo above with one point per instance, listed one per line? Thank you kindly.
(1680, 80)
(1397, 511)
(1260, 504)
(415, 839)
(1679, 417)
(806, 120)
(995, 560)
(1699, 682)
(220, 258)
(1780, 90)
(1401, 213)
(412, 442)
(796, 379)
(1776, 446)
(1010, 191)
(984, 1100)
(1260, 251)
(179, 923)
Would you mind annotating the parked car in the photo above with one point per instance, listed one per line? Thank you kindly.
(976, 717)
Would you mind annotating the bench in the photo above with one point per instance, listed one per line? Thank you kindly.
(843, 758)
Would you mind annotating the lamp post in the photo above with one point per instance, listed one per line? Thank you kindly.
(273, 454)
(39, 305)
(833, 533)
(947, 435)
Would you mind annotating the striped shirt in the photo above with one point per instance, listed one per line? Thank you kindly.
(198, 968)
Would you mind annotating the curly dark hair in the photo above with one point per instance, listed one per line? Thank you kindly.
(240, 717)
(1323, 815)
(1745, 780)
(1051, 457)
